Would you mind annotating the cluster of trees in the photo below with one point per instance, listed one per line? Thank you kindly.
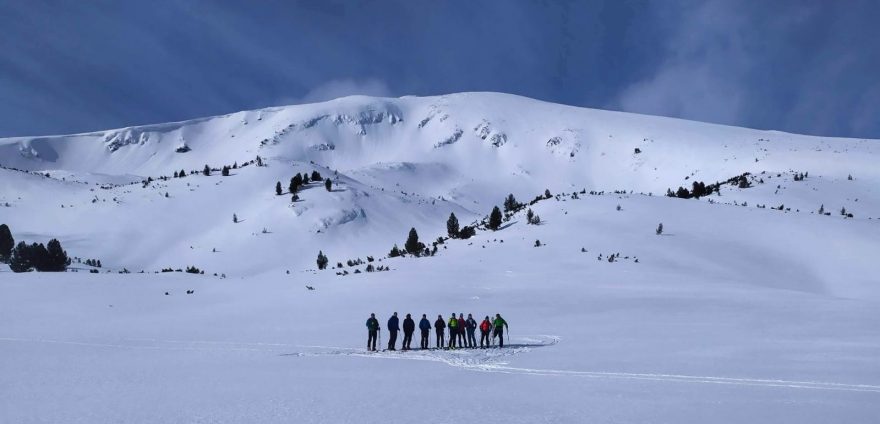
(303, 179)
(801, 176)
(453, 230)
(322, 260)
(698, 189)
(532, 218)
(93, 262)
(413, 247)
(28, 257)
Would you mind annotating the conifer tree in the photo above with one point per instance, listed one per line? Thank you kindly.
(56, 259)
(466, 232)
(510, 203)
(305, 178)
(20, 260)
(452, 226)
(412, 245)
(395, 252)
(39, 256)
(316, 176)
(225, 171)
(660, 229)
(182, 173)
(278, 188)
(495, 219)
(6, 243)
(328, 184)
(207, 171)
(322, 260)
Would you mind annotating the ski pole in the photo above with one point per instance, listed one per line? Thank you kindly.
(380, 336)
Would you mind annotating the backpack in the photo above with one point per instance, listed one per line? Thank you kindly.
(484, 326)
(453, 323)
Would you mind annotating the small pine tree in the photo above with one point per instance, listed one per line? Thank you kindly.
(467, 232)
(495, 219)
(316, 176)
(510, 203)
(207, 171)
(328, 184)
(7, 243)
(452, 226)
(395, 252)
(822, 209)
(259, 161)
(322, 260)
(56, 257)
(660, 229)
(843, 211)
(175, 174)
(225, 171)
(278, 188)
(529, 215)
(235, 218)
(412, 245)
(297, 181)
(39, 257)
(618, 207)
(547, 194)
(20, 259)
(305, 178)
(537, 243)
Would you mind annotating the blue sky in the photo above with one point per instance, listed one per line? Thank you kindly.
(801, 66)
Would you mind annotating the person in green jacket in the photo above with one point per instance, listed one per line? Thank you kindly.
(499, 325)
(453, 330)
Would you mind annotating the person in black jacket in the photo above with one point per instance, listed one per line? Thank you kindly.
(409, 326)
(440, 327)
(471, 326)
(425, 326)
(393, 328)
(372, 332)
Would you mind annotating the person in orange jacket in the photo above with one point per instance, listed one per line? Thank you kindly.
(485, 328)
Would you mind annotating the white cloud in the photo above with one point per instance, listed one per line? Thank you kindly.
(340, 88)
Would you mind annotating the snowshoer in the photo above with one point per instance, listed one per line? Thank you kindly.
(440, 326)
(462, 337)
(453, 330)
(471, 325)
(499, 325)
(485, 327)
(393, 328)
(409, 326)
(425, 326)
(372, 332)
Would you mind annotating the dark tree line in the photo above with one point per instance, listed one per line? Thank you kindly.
(28, 257)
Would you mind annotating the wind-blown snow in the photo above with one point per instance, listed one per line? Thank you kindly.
(735, 314)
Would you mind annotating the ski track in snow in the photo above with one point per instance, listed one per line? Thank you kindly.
(488, 360)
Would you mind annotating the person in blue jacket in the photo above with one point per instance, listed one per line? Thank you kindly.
(393, 328)
(425, 326)
(372, 332)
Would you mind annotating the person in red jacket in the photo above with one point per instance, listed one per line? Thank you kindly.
(485, 328)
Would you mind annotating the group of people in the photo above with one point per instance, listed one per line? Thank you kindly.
(461, 331)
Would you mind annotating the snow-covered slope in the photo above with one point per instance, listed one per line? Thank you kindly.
(751, 307)
(400, 163)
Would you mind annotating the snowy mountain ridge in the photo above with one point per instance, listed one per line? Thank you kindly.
(398, 163)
